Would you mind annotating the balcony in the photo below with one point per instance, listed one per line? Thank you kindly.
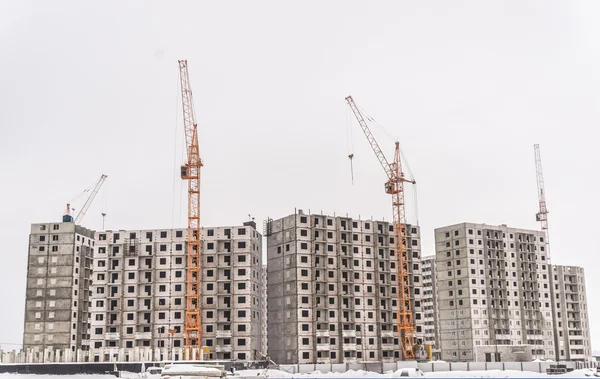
(112, 336)
(323, 347)
(223, 349)
(349, 333)
(322, 333)
(388, 346)
(350, 346)
(387, 333)
(534, 337)
(143, 336)
(223, 333)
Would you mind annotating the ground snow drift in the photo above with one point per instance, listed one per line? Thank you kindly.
(275, 374)
(395, 374)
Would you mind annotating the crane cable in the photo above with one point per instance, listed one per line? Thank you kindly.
(349, 143)
(404, 160)
(83, 192)
(175, 170)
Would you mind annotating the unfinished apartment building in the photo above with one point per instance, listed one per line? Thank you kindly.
(430, 307)
(572, 322)
(332, 289)
(493, 290)
(138, 293)
(263, 319)
(57, 295)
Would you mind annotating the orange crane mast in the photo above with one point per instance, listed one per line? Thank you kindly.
(542, 218)
(190, 171)
(395, 187)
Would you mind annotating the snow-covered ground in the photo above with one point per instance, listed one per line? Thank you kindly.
(349, 374)
(396, 374)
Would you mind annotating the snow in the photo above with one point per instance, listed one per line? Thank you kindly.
(274, 374)
(186, 369)
(391, 374)
(33, 376)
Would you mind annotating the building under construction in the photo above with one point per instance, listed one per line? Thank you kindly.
(339, 289)
(133, 295)
(332, 289)
(496, 288)
(59, 268)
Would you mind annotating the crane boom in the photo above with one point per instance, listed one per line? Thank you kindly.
(90, 199)
(395, 187)
(374, 145)
(190, 171)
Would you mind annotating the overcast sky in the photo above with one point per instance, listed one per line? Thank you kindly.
(468, 87)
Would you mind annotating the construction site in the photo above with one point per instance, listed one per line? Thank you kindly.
(299, 190)
(332, 290)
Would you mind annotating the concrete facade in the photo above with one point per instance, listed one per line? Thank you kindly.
(264, 340)
(493, 290)
(331, 289)
(140, 281)
(125, 289)
(138, 293)
(430, 306)
(232, 292)
(57, 295)
(572, 322)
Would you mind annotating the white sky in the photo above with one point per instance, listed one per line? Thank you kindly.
(467, 86)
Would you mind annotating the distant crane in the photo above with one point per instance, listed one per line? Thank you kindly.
(68, 218)
(395, 187)
(542, 217)
(190, 171)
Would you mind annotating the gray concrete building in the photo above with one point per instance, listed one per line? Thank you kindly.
(264, 326)
(232, 292)
(493, 287)
(572, 322)
(332, 289)
(138, 294)
(58, 281)
(430, 306)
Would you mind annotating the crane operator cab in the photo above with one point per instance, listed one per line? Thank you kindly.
(390, 187)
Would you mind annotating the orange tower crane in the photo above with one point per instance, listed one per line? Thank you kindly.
(542, 218)
(395, 187)
(190, 171)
